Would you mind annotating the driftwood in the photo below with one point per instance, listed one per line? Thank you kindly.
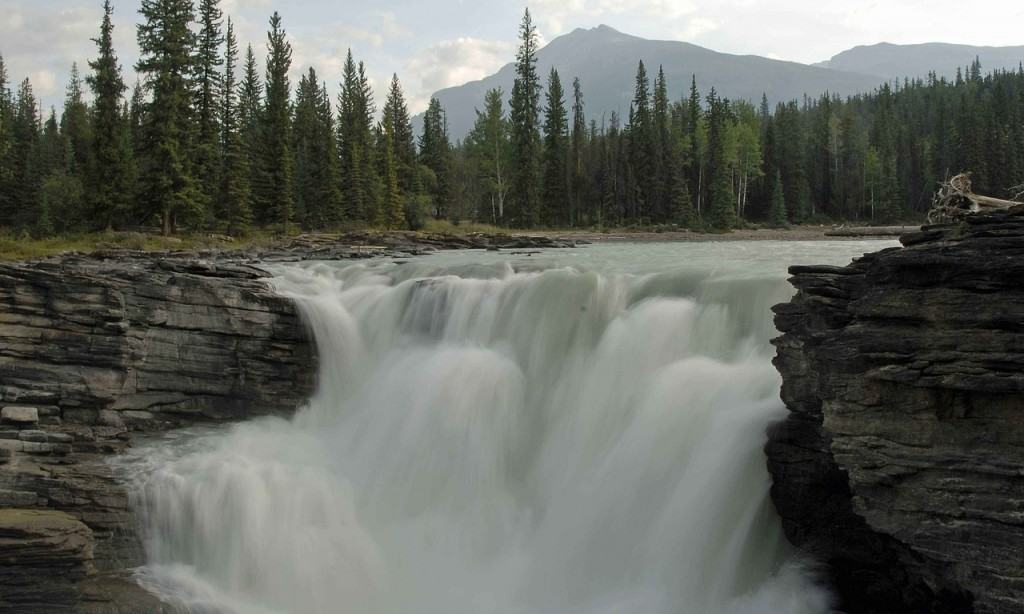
(869, 231)
(955, 200)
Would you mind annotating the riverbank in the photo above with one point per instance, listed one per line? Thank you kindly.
(369, 243)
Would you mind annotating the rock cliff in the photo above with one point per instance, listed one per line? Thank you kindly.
(901, 464)
(91, 349)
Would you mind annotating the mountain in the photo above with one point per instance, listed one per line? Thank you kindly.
(605, 60)
(891, 61)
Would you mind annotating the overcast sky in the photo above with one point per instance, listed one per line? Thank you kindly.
(435, 44)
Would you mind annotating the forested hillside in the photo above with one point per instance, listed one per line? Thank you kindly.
(209, 140)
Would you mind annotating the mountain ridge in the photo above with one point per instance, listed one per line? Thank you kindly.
(605, 59)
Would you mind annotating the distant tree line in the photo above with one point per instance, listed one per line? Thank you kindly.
(208, 140)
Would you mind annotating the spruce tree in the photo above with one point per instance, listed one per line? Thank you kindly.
(489, 140)
(577, 172)
(777, 209)
(24, 162)
(235, 200)
(641, 146)
(166, 45)
(76, 126)
(250, 116)
(109, 179)
(660, 150)
(435, 154)
(525, 136)
(359, 182)
(721, 214)
(390, 214)
(316, 189)
(395, 116)
(6, 147)
(554, 193)
(208, 96)
(273, 192)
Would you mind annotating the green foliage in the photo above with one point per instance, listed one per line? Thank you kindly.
(273, 196)
(197, 146)
(524, 205)
(554, 194)
(110, 180)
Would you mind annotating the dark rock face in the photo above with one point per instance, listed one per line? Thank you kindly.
(901, 464)
(93, 349)
(148, 341)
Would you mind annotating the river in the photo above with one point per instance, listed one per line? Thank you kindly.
(572, 431)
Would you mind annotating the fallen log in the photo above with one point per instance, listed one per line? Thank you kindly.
(956, 200)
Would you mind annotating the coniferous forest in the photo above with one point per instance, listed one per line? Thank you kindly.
(208, 139)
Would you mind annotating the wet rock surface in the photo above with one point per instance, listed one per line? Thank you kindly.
(92, 350)
(900, 464)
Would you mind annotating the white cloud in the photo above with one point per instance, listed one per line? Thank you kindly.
(453, 62)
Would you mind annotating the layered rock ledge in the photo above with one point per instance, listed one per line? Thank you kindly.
(901, 464)
(92, 349)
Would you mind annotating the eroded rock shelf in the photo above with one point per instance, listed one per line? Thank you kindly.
(92, 349)
(901, 464)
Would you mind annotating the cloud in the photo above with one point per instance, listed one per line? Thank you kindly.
(453, 62)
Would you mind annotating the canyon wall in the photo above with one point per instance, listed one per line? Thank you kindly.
(93, 349)
(901, 464)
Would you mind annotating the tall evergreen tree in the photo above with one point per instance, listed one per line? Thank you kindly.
(24, 169)
(396, 118)
(721, 214)
(525, 108)
(76, 126)
(316, 181)
(208, 97)
(109, 180)
(777, 210)
(235, 199)
(554, 193)
(6, 147)
(273, 192)
(391, 211)
(579, 194)
(359, 182)
(641, 146)
(435, 154)
(489, 141)
(166, 45)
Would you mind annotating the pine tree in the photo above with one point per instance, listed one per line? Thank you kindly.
(359, 180)
(696, 156)
(391, 211)
(316, 181)
(273, 194)
(6, 147)
(396, 118)
(577, 172)
(489, 142)
(76, 126)
(641, 146)
(24, 163)
(721, 213)
(109, 180)
(525, 107)
(208, 96)
(250, 117)
(777, 210)
(166, 45)
(660, 150)
(235, 201)
(554, 192)
(435, 153)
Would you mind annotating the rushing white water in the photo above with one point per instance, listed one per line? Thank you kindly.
(574, 432)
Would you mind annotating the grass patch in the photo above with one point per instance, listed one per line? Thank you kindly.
(27, 248)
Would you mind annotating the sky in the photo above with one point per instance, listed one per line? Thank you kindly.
(432, 45)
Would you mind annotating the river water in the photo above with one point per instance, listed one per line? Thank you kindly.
(574, 431)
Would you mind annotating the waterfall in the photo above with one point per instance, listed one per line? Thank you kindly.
(575, 433)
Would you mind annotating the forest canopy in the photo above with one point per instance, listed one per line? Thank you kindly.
(209, 140)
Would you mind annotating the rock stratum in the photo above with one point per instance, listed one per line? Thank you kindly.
(901, 463)
(93, 349)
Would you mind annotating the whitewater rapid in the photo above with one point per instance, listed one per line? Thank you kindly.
(570, 432)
